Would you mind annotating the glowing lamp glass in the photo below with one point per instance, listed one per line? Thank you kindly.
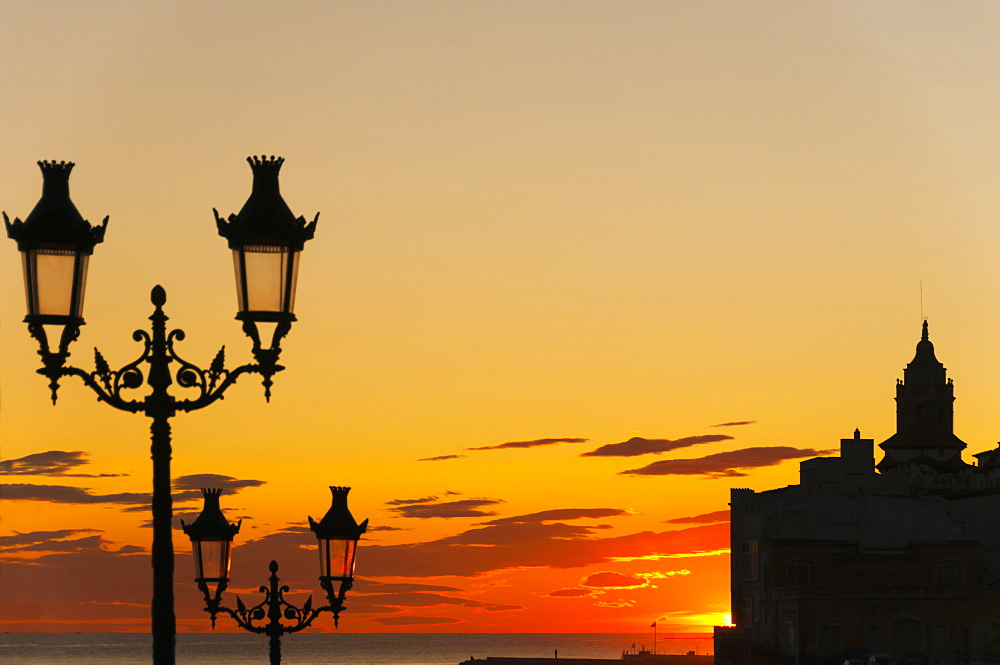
(336, 557)
(54, 282)
(212, 559)
(266, 277)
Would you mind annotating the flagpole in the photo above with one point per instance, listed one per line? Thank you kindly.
(654, 638)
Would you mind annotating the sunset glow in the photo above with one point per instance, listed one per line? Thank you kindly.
(580, 269)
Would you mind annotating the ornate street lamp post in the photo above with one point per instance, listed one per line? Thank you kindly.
(337, 536)
(56, 242)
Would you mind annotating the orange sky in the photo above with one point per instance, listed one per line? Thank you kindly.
(694, 229)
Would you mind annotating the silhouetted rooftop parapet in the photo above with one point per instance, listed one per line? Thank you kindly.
(989, 458)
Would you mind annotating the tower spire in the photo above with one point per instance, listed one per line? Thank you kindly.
(925, 415)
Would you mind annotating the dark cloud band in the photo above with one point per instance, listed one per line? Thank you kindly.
(460, 508)
(725, 465)
(51, 463)
(530, 444)
(640, 446)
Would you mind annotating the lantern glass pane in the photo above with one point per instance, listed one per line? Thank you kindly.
(83, 262)
(212, 559)
(336, 557)
(54, 281)
(241, 296)
(269, 275)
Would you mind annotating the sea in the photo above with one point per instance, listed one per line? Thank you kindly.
(330, 648)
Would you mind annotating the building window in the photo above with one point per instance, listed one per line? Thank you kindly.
(751, 556)
(939, 641)
(950, 574)
(829, 638)
(906, 636)
(872, 637)
(802, 574)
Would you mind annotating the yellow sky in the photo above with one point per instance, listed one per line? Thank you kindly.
(584, 220)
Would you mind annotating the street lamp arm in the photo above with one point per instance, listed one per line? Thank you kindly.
(111, 396)
(213, 383)
(238, 615)
(273, 608)
(54, 367)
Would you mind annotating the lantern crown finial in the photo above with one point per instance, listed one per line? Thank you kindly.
(338, 521)
(211, 524)
(55, 222)
(265, 164)
(265, 218)
(55, 171)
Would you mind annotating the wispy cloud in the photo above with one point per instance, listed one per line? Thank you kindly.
(85, 544)
(727, 464)
(407, 502)
(440, 458)
(735, 423)
(51, 463)
(67, 494)
(559, 514)
(416, 621)
(19, 540)
(705, 518)
(59, 542)
(129, 501)
(640, 446)
(612, 580)
(368, 587)
(571, 593)
(530, 444)
(403, 599)
(459, 508)
(615, 603)
(200, 480)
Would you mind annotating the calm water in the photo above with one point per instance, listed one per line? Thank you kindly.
(323, 648)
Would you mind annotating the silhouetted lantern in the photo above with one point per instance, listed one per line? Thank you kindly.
(55, 244)
(211, 537)
(266, 239)
(337, 535)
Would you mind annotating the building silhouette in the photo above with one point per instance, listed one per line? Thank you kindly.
(900, 557)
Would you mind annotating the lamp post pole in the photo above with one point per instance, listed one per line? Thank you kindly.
(56, 243)
(160, 408)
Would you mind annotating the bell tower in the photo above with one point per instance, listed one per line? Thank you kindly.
(925, 416)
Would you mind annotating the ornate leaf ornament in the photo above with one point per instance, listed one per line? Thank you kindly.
(102, 369)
